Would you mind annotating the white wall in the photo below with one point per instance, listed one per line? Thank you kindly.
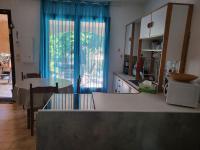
(26, 19)
(121, 14)
(193, 57)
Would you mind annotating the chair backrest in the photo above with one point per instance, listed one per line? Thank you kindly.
(35, 90)
(30, 75)
(67, 90)
(45, 89)
(41, 90)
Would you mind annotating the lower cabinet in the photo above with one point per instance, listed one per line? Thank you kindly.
(117, 83)
(120, 86)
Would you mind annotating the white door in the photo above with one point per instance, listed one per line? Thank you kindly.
(158, 19)
(145, 30)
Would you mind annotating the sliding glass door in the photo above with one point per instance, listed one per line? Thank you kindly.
(61, 49)
(92, 45)
(77, 49)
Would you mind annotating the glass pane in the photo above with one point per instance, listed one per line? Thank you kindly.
(61, 49)
(92, 54)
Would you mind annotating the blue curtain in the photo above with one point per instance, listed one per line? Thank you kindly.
(75, 42)
(57, 40)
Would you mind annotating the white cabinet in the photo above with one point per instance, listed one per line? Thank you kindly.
(145, 30)
(120, 86)
(117, 84)
(124, 88)
(158, 20)
(176, 20)
(177, 32)
(153, 25)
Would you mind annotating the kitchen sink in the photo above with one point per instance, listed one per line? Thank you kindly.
(136, 82)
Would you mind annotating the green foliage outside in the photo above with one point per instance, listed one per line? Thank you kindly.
(61, 53)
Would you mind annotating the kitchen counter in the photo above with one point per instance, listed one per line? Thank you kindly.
(142, 102)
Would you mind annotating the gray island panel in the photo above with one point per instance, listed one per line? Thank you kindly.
(62, 130)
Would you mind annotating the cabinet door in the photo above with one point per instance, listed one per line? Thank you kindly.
(145, 30)
(176, 32)
(119, 85)
(115, 84)
(158, 20)
(124, 88)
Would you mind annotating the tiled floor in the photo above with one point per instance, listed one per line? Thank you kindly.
(13, 132)
(5, 88)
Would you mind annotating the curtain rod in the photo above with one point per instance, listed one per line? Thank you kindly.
(83, 1)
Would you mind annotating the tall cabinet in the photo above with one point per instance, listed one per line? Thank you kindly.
(163, 41)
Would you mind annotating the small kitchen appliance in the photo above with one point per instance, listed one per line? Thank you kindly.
(183, 94)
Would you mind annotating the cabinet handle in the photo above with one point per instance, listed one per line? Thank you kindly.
(150, 25)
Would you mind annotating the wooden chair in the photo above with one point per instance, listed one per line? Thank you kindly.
(38, 90)
(67, 90)
(30, 75)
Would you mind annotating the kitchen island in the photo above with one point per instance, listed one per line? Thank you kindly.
(119, 122)
(142, 102)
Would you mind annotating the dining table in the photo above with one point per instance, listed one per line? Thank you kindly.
(21, 92)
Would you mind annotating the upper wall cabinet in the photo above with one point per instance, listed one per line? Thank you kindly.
(145, 30)
(153, 25)
(164, 41)
(158, 22)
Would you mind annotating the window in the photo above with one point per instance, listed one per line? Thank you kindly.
(61, 49)
(92, 37)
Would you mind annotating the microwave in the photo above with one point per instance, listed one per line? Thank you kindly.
(183, 94)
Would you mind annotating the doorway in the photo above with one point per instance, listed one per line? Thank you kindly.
(7, 67)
